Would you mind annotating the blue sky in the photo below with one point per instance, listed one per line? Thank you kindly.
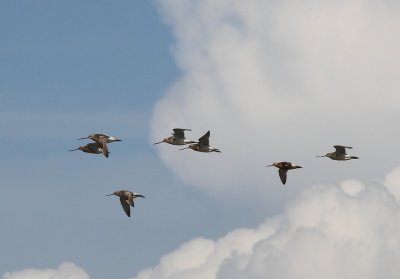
(67, 70)
(272, 81)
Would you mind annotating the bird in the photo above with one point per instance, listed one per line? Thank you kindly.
(283, 168)
(177, 138)
(340, 153)
(93, 148)
(126, 198)
(102, 141)
(95, 137)
(203, 145)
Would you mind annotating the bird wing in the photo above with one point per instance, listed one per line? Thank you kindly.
(283, 175)
(105, 149)
(180, 133)
(125, 206)
(205, 140)
(102, 142)
(340, 149)
(129, 200)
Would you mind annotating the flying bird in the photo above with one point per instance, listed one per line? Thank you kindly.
(126, 198)
(203, 145)
(93, 148)
(95, 137)
(283, 169)
(102, 141)
(177, 138)
(340, 153)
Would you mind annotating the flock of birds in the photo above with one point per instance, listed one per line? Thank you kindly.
(99, 146)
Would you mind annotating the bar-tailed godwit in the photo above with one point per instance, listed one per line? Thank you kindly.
(283, 168)
(126, 198)
(177, 138)
(93, 148)
(102, 141)
(340, 153)
(203, 145)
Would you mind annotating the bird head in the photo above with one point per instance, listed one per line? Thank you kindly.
(114, 194)
(326, 155)
(79, 148)
(88, 137)
(164, 140)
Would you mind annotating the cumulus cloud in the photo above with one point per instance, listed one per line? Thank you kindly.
(346, 231)
(64, 271)
(279, 80)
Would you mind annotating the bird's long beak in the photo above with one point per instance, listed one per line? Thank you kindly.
(184, 148)
(73, 149)
(269, 166)
(110, 194)
(140, 196)
(83, 138)
(157, 142)
(320, 156)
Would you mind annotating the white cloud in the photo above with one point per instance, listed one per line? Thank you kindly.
(392, 182)
(326, 232)
(64, 271)
(280, 80)
(352, 187)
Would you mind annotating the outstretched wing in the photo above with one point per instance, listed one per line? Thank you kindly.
(130, 199)
(125, 206)
(102, 142)
(283, 175)
(205, 140)
(180, 133)
(340, 149)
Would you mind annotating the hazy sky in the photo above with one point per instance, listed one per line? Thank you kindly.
(271, 80)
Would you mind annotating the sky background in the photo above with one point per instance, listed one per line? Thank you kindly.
(272, 81)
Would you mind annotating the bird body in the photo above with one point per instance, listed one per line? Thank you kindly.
(126, 198)
(203, 145)
(93, 148)
(177, 138)
(283, 169)
(340, 154)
